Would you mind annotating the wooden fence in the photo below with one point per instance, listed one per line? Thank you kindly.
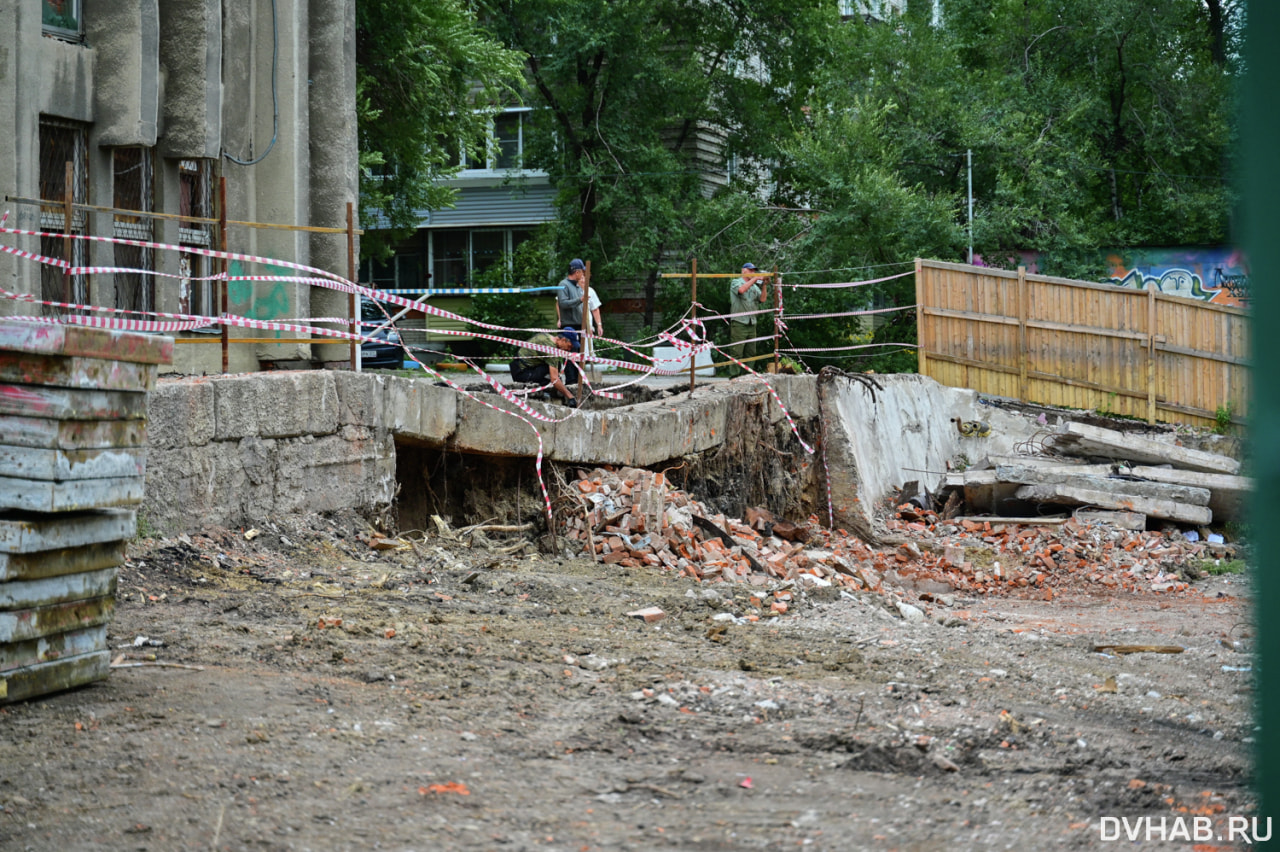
(1075, 344)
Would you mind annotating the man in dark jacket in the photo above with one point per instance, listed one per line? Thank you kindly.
(569, 296)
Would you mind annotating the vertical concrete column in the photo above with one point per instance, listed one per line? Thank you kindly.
(276, 188)
(125, 34)
(333, 152)
(19, 154)
(191, 55)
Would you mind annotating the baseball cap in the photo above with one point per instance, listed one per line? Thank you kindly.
(576, 264)
(570, 334)
(748, 266)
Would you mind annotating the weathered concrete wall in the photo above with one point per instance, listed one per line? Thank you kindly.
(235, 449)
(879, 441)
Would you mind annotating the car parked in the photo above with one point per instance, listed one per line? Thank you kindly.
(385, 350)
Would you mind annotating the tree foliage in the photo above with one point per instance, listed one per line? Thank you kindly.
(425, 73)
(772, 131)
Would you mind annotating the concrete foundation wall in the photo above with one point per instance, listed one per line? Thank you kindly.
(236, 449)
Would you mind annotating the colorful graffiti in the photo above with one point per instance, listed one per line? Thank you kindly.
(1217, 274)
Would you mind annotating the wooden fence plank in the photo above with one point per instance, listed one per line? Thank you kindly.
(1080, 344)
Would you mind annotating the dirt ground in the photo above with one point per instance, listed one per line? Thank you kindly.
(337, 697)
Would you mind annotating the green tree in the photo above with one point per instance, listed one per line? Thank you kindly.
(427, 80)
(639, 101)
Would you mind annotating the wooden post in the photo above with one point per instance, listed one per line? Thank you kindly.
(693, 284)
(351, 276)
(582, 329)
(68, 219)
(920, 343)
(1151, 353)
(1022, 334)
(777, 311)
(226, 267)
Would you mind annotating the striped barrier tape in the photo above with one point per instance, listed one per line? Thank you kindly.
(847, 284)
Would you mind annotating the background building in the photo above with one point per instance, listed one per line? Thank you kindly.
(152, 101)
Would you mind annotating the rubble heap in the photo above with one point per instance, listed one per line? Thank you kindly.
(633, 518)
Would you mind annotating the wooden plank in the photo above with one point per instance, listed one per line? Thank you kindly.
(47, 678)
(64, 560)
(71, 403)
(21, 625)
(25, 533)
(46, 649)
(67, 371)
(1156, 508)
(72, 434)
(976, 316)
(28, 594)
(62, 465)
(1083, 439)
(56, 339)
(33, 495)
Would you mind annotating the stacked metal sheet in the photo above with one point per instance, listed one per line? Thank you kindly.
(73, 407)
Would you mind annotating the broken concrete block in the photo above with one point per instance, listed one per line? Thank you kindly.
(1155, 507)
(1113, 485)
(1085, 440)
(1120, 520)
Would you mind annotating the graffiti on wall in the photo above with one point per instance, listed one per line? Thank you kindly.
(1217, 274)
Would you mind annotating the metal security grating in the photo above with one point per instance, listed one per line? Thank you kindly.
(133, 190)
(62, 143)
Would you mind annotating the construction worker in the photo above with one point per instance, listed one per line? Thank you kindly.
(543, 368)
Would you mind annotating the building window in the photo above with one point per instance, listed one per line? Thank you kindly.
(400, 272)
(63, 148)
(505, 151)
(61, 18)
(195, 182)
(458, 254)
(132, 189)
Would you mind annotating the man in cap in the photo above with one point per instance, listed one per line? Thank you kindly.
(745, 295)
(541, 368)
(569, 296)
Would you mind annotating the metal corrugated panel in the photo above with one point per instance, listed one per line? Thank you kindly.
(495, 205)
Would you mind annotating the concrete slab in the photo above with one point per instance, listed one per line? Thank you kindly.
(1026, 475)
(74, 434)
(46, 649)
(1156, 508)
(47, 591)
(25, 533)
(70, 403)
(33, 495)
(1086, 440)
(48, 620)
(75, 372)
(56, 339)
(59, 465)
(66, 560)
(24, 683)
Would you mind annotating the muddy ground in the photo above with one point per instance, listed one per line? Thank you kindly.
(443, 697)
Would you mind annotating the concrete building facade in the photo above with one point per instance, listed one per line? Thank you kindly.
(152, 102)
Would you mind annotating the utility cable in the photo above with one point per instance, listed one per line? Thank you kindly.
(275, 100)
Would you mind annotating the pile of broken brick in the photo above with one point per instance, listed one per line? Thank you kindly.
(633, 518)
